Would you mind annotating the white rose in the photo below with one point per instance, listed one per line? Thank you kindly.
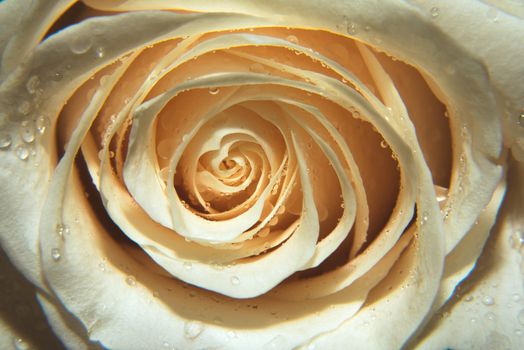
(244, 174)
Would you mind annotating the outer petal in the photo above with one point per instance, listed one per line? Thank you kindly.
(318, 14)
(487, 310)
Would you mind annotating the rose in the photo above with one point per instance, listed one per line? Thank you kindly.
(60, 228)
(192, 326)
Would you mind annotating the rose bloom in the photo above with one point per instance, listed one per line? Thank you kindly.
(261, 174)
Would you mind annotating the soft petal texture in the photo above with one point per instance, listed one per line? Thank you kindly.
(141, 291)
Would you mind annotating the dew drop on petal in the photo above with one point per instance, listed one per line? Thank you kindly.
(100, 52)
(55, 254)
(57, 76)
(517, 239)
(61, 230)
(27, 132)
(352, 28)
(235, 280)
(292, 39)
(231, 334)
(131, 280)
(435, 12)
(193, 329)
(5, 141)
(42, 123)
(520, 119)
(164, 149)
(490, 316)
(22, 152)
(214, 90)
(21, 344)
(32, 84)
(80, 45)
(24, 108)
(488, 300)
(188, 266)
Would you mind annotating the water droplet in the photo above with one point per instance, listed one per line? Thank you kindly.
(188, 266)
(131, 280)
(102, 267)
(488, 300)
(80, 45)
(352, 28)
(490, 316)
(342, 205)
(42, 123)
(515, 297)
(100, 52)
(193, 329)
(518, 332)
(61, 230)
(468, 298)
(5, 141)
(473, 320)
(55, 254)
(164, 149)
(424, 218)
(165, 344)
(235, 280)
(231, 334)
(32, 84)
(292, 39)
(57, 76)
(20, 344)
(22, 152)
(520, 317)
(27, 131)
(520, 119)
(435, 12)
(24, 108)
(517, 239)
(214, 90)
(383, 144)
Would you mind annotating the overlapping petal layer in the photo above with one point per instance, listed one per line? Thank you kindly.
(234, 175)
